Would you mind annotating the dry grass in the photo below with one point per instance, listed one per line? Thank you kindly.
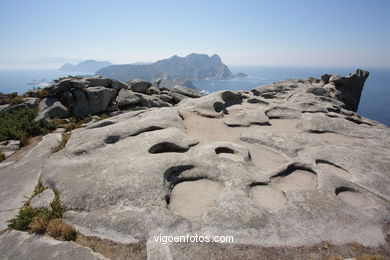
(38, 225)
(2, 156)
(113, 250)
(59, 229)
(62, 143)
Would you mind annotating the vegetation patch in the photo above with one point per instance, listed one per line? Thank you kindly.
(68, 124)
(42, 220)
(16, 100)
(2, 156)
(71, 77)
(59, 229)
(62, 143)
(20, 125)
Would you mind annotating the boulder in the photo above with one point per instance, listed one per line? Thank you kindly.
(99, 98)
(166, 98)
(177, 97)
(97, 81)
(194, 93)
(65, 85)
(139, 85)
(80, 106)
(50, 108)
(127, 98)
(154, 89)
(349, 89)
(118, 85)
(9, 147)
(43, 199)
(16, 107)
(31, 102)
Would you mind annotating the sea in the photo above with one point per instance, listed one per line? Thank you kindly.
(374, 102)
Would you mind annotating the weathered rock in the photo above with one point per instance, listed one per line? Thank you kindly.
(43, 200)
(98, 81)
(65, 85)
(127, 98)
(31, 102)
(99, 98)
(349, 89)
(18, 245)
(16, 107)
(51, 108)
(194, 93)
(154, 89)
(247, 117)
(213, 105)
(9, 147)
(18, 180)
(177, 97)
(80, 107)
(292, 172)
(283, 112)
(139, 85)
(166, 98)
(118, 85)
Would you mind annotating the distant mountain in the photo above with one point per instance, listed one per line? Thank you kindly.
(88, 66)
(192, 67)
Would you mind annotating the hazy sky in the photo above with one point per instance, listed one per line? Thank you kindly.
(313, 32)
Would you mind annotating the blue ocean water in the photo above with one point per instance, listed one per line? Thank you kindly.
(374, 102)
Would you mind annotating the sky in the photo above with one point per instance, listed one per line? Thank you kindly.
(339, 33)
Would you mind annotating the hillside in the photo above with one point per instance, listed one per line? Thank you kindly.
(88, 66)
(191, 67)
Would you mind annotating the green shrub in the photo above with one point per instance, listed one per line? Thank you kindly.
(25, 216)
(16, 100)
(20, 125)
(35, 220)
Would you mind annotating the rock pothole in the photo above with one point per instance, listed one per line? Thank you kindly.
(167, 147)
(328, 167)
(353, 197)
(268, 197)
(295, 177)
(229, 153)
(190, 199)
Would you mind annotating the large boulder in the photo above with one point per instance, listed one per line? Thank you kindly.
(80, 107)
(31, 102)
(139, 85)
(127, 98)
(349, 89)
(65, 85)
(43, 199)
(50, 108)
(99, 98)
(194, 93)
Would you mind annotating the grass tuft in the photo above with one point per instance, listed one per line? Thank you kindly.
(62, 143)
(59, 229)
(2, 156)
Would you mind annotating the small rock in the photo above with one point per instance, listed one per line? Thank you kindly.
(43, 200)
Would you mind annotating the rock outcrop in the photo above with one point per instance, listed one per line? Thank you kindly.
(90, 96)
(284, 166)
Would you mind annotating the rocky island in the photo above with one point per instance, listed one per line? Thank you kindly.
(289, 170)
